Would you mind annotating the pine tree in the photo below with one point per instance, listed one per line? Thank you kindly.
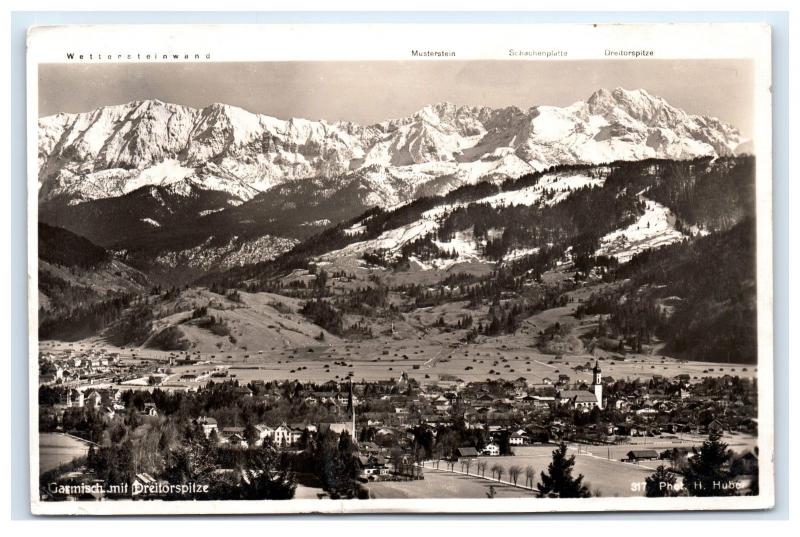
(270, 479)
(558, 481)
(336, 462)
(91, 457)
(708, 470)
(251, 435)
(661, 484)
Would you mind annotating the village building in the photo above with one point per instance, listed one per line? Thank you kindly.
(491, 449)
(282, 435)
(469, 452)
(242, 391)
(233, 436)
(637, 455)
(93, 399)
(72, 398)
(518, 439)
(372, 467)
(208, 425)
(265, 432)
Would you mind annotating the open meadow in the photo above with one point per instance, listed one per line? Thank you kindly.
(604, 477)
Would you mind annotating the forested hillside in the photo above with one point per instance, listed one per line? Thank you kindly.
(61, 247)
(82, 287)
(699, 297)
(114, 222)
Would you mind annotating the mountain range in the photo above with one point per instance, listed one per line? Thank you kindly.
(169, 185)
(115, 150)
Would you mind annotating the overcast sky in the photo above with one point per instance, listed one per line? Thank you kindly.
(369, 92)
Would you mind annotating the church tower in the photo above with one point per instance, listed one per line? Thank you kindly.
(352, 408)
(597, 384)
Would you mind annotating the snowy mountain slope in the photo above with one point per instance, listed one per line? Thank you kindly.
(550, 189)
(115, 150)
(224, 147)
(655, 228)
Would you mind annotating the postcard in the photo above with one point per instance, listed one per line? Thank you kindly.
(400, 268)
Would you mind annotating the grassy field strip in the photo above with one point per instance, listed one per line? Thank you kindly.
(616, 461)
(79, 439)
(492, 479)
(554, 367)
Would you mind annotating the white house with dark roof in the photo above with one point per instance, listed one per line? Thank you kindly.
(491, 449)
(519, 438)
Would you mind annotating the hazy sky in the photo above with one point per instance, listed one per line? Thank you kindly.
(369, 92)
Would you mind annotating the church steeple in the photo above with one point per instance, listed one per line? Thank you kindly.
(597, 384)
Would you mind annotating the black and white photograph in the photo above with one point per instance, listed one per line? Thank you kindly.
(534, 282)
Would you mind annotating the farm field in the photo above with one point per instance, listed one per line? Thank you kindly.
(274, 342)
(56, 449)
(737, 442)
(473, 363)
(425, 361)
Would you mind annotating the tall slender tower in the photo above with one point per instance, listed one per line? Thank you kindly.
(352, 408)
(597, 384)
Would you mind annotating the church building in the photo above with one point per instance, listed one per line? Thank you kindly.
(585, 399)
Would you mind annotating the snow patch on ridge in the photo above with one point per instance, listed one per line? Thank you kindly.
(654, 229)
(164, 173)
(210, 211)
(390, 241)
(561, 185)
(519, 253)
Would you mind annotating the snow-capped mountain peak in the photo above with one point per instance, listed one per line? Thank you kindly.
(638, 104)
